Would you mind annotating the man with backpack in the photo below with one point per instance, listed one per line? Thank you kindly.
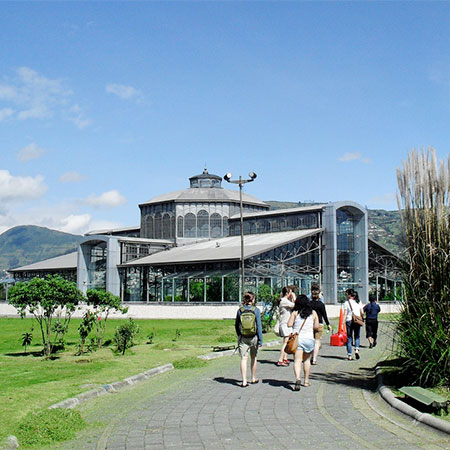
(249, 332)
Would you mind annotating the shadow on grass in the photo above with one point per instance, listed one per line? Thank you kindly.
(35, 354)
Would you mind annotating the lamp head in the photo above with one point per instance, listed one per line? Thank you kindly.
(227, 176)
(252, 175)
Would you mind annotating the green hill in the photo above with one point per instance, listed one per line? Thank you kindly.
(27, 244)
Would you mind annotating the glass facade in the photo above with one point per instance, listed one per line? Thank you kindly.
(158, 221)
(294, 263)
(267, 224)
(96, 266)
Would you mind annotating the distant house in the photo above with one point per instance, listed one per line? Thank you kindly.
(188, 249)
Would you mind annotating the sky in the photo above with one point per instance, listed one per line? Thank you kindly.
(105, 105)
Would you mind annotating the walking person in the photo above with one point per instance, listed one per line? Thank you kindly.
(319, 307)
(249, 331)
(372, 309)
(352, 306)
(304, 321)
(285, 306)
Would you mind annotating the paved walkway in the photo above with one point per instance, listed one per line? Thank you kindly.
(208, 410)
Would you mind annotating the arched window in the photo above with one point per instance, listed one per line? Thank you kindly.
(180, 225)
(225, 225)
(148, 227)
(216, 225)
(203, 223)
(172, 227)
(190, 229)
(166, 226)
(158, 226)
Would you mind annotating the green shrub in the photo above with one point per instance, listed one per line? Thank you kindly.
(423, 325)
(49, 426)
(125, 335)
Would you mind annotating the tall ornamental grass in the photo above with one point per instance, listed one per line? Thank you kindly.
(423, 326)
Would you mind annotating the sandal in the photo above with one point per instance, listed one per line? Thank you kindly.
(244, 385)
(307, 384)
(255, 381)
(286, 361)
(297, 385)
(281, 364)
(314, 363)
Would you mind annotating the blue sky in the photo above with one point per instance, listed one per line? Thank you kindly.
(104, 105)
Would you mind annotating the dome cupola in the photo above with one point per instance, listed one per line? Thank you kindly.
(206, 180)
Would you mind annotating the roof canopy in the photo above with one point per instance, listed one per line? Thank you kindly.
(224, 249)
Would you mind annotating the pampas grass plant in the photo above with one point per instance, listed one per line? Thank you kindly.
(423, 326)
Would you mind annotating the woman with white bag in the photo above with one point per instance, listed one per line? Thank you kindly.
(285, 306)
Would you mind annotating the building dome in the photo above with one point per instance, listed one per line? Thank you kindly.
(206, 180)
(198, 212)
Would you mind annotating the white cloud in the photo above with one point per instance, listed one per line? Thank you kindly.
(5, 112)
(109, 199)
(29, 152)
(124, 92)
(71, 177)
(37, 97)
(20, 188)
(64, 216)
(77, 117)
(75, 224)
(356, 156)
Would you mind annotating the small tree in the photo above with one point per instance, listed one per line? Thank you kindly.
(125, 335)
(50, 299)
(27, 337)
(269, 306)
(85, 327)
(103, 303)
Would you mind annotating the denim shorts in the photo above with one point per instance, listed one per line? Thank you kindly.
(306, 344)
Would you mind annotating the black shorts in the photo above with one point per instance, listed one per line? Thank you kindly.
(371, 328)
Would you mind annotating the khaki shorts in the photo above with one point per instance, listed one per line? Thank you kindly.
(248, 343)
(318, 333)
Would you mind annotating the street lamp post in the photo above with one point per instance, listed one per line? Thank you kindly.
(240, 182)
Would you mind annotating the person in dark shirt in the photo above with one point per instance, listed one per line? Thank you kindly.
(248, 344)
(319, 307)
(372, 310)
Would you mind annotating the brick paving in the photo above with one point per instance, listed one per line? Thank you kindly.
(340, 409)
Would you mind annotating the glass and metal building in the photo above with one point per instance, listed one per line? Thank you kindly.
(187, 249)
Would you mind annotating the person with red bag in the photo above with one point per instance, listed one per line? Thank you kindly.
(353, 313)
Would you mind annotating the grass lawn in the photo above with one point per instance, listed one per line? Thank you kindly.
(30, 383)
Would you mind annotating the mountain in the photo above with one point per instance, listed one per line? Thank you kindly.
(27, 244)
(384, 226)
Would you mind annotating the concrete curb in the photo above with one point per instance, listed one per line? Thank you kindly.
(112, 387)
(403, 407)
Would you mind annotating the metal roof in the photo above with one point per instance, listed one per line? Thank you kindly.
(112, 230)
(224, 249)
(206, 195)
(68, 261)
(279, 212)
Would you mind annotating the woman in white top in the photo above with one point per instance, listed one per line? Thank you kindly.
(284, 311)
(352, 306)
(304, 321)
